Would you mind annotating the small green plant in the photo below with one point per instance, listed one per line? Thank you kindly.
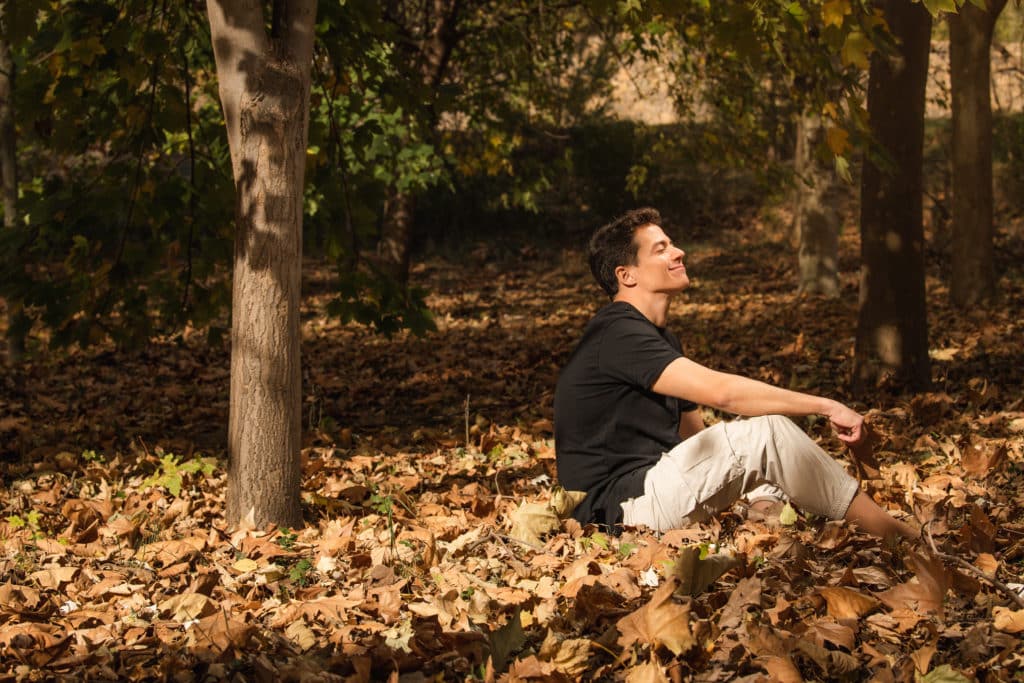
(29, 521)
(385, 505)
(90, 455)
(299, 572)
(172, 469)
(598, 539)
(286, 539)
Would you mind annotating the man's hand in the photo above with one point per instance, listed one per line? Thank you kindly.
(848, 423)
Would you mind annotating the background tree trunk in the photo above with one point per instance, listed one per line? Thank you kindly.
(430, 27)
(396, 235)
(264, 84)
(16, 320)
(817, 221)
(970, 39)
(892, 326)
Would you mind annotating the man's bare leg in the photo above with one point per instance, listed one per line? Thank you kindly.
(868, 516)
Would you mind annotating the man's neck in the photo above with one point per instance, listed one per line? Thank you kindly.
(653, 306)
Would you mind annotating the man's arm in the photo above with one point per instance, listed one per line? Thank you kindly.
(740, 395)
(690, 423)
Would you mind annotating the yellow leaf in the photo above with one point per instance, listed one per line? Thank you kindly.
(856, 50)
(838, 140)
(788, 515)
(830, 110)
(832, 12)
(245, 565)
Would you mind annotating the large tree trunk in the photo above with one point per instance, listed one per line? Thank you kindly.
(264, 88)
(817, 220)
(16, 320)
(970, 40)
(892, 327)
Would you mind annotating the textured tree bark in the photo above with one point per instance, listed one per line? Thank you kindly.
(16, 320)
(264, 86)
(892, 326)
(817, 221)
(973, 278)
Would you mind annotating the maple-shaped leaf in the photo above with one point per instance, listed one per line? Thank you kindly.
(983, 456)
(530, 521)
(695, 574)
(746, 593)
(926, 592)
(1008, 620)
(570, 656)
(847, 603)
(506, 640)
(662, 621)
(564, 502)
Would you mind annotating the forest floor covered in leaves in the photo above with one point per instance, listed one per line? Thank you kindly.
(431, 549)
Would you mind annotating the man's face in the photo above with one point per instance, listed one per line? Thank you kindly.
(659, 263)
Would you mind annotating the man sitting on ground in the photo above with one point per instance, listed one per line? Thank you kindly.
(627, 428)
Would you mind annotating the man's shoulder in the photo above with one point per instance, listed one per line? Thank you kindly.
(620, 313)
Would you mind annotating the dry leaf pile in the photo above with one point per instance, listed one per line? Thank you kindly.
(430, 557)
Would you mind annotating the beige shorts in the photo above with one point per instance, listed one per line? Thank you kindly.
(709, 471)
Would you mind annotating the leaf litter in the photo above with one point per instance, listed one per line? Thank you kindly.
(427, 556)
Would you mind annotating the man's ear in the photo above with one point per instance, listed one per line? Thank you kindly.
(625, 276)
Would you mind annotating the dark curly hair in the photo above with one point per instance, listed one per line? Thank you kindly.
(612, 245)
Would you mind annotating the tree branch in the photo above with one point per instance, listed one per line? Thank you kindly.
(964, 564)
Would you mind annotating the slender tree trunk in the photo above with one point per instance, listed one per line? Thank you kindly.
(264, 86)
(817, 221)
(892, 327)
(970, 40)
(430, 57)
(396, 235)
(16, 319)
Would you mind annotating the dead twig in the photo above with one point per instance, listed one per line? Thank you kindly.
(1013, 595)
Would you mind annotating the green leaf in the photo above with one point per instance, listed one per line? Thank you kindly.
(788, 515)
(843, 169)
(856, 50)
(943, 674)
(797, 11)
(937, 6)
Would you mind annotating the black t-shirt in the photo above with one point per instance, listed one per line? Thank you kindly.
(610, 428)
